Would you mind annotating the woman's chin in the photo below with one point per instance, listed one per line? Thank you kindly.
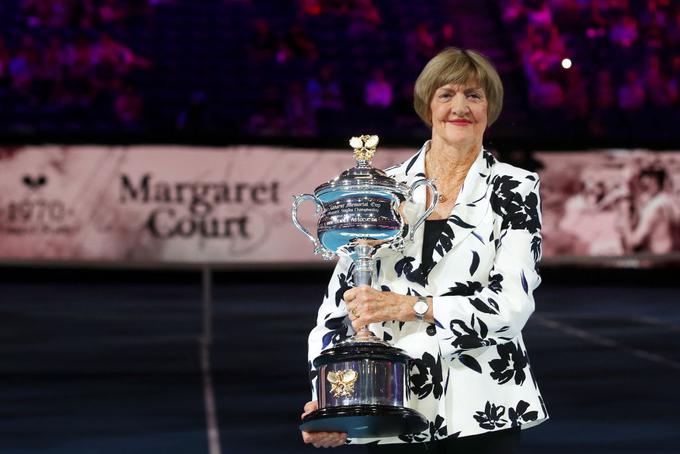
(459, 141)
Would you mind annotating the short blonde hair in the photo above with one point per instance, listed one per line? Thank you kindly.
(458, 66)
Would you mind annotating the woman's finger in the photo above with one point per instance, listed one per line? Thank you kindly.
(331, 439)
(324, 439)
(306, 437)
(362, 292)
(339, 440)
(349, 295)
(311, 406)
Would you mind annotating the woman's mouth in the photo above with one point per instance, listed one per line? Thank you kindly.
(460, 122)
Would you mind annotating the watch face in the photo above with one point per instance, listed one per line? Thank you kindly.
(420, 307)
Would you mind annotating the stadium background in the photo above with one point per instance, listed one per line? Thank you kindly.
(145, 352)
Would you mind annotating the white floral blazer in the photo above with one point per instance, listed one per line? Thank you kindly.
(471, 372)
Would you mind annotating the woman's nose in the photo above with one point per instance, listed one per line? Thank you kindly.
(459, 105)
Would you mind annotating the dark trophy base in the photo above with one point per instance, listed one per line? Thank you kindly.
(365, 421)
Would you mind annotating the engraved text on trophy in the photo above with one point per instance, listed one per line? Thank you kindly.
(368, 217)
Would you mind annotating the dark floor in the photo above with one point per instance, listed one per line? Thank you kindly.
(114, 367)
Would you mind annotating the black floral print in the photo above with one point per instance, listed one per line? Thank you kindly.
(470, 362)
(492, 417)
(495, 280)
(338, 331)
(519, 415)
(445, 241)
(488, 157)
(525, 285)
(417, 438)
(488, 307)
(468, 288)
(438, 428)
(532, 221)
(426, 376)
(536, 247)
(518, 213)
(345, 281)
(460, 223)
(511, 364)
(468, 337)
(474, 263)
(411, 162)
(502, 193)
(405, 267)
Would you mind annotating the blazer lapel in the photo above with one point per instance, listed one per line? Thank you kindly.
(409, 172)
(471, 205)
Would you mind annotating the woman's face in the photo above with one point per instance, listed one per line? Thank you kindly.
(649, 186)
(459, 114)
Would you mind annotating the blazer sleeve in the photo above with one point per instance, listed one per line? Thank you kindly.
(332, 323)
(497, 312)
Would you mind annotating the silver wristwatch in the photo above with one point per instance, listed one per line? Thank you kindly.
(420, 308)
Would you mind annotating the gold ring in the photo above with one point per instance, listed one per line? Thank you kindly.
(354, 313)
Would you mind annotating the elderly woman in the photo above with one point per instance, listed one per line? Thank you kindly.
(457, 299)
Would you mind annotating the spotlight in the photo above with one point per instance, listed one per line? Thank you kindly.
(566, 63)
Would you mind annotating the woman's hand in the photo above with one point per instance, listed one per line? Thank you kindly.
(367, 305)
(321, 439)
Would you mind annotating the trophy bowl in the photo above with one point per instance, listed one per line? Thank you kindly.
(363, 382)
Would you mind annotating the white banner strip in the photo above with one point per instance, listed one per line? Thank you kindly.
(179, 205)
(163, 204)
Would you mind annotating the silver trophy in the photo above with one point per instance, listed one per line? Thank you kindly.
(363, 382)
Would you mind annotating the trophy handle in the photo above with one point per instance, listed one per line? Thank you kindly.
(430, 209)
(297, 201)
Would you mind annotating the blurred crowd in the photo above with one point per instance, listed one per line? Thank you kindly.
(63, 58)
(623, 62)
(602, 69)
(327, 68)
(347, 60)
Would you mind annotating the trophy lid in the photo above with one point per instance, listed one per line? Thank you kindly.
(363, 175)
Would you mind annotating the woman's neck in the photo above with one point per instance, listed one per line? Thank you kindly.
(449, 164)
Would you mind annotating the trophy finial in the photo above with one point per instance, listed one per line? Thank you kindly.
(364, 147)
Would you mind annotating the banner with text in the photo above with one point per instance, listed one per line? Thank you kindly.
(193, 205)
(163, 203)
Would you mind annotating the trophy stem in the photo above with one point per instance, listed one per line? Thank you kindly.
(363, 275)
(363, 265)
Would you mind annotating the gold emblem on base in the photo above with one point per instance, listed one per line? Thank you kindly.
(364, 147)
(342, 382)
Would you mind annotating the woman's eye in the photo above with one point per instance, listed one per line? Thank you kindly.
(445, 96)
(475, 95)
